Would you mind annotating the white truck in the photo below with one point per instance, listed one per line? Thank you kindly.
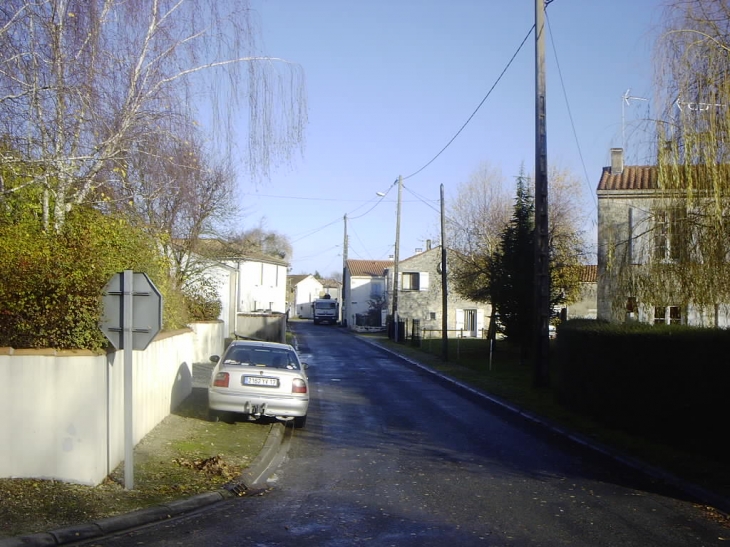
(325, 310)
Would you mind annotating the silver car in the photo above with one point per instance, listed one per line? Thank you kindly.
(259, 379)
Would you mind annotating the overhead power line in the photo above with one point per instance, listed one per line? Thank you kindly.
(570, 113)
(478, 107)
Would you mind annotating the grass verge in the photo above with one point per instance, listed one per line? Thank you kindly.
(504, 376)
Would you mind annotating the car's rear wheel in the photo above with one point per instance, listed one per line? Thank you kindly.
(300, 422)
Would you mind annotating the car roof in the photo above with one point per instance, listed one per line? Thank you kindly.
(260, 344)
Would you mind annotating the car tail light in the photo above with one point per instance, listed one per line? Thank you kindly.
(221, 379)
(298, 386)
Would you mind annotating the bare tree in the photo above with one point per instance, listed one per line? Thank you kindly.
(478, 212)
(481, 213)
(83, 82)
(180, 192)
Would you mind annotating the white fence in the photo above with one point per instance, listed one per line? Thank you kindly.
(63, 413)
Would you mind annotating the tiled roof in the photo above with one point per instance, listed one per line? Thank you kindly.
(372, 268)
(651, 177)
(589, 274)
(633, 177)
(296, 278)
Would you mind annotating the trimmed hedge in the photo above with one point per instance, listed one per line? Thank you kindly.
(668, 382)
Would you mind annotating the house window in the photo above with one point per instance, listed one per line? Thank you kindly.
(667, 315)
(432, 315)
(670, 231)
(376, 289)
(410, 281)
(414, 281)
(631, 305)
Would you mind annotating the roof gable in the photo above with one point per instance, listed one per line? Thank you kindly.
(295, 279)
(631, 177)
(368, 268)
(433, 250)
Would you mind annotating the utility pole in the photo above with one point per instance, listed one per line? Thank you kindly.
(343, 306)
(541, 262)
(396, 259)
(444, 286)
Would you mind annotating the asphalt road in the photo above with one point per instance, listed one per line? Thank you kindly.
(391, 457)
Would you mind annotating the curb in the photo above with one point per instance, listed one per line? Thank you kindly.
(698, 493)
(252, 478)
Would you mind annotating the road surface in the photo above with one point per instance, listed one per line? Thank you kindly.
(391, 457)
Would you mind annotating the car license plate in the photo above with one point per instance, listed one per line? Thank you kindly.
(260, 381)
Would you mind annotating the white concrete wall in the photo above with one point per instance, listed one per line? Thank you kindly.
(64, 413)
(209, 338)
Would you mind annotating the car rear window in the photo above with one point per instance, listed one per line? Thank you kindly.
(261, 357)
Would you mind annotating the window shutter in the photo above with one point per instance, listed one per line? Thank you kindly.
(423, 281)
(640, 235)
(459, 319)
(480, 321)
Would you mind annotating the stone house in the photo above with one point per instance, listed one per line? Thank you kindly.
(420, 301)
(635, 226)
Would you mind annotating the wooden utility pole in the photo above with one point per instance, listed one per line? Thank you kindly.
(541, 263)
(343, 305)
(444, 286)
(395, 260)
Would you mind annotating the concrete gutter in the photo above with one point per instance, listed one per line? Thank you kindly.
(253, 478)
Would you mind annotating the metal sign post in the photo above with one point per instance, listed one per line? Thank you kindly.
(127, 306)
(131, 318)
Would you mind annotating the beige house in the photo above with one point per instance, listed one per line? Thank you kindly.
(635, 226)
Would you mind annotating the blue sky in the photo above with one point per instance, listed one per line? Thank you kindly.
(389, 84)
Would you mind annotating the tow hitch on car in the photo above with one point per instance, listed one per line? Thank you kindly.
(254, 410)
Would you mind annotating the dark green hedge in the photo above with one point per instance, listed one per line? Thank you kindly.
(668, 382)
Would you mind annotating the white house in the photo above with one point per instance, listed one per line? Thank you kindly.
(261, 284)
(364, 282)
(247, 284)
(303, 289)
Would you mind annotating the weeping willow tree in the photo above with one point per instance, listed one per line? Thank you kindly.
(686, 226)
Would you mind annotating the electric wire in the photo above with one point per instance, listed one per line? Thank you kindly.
(491, 89)
(478, 107)
(570, 113)
(339, 219)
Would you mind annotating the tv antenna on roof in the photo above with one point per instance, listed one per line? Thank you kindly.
(625, 98)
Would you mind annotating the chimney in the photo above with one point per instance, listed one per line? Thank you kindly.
(617, 161)
(428, 244)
